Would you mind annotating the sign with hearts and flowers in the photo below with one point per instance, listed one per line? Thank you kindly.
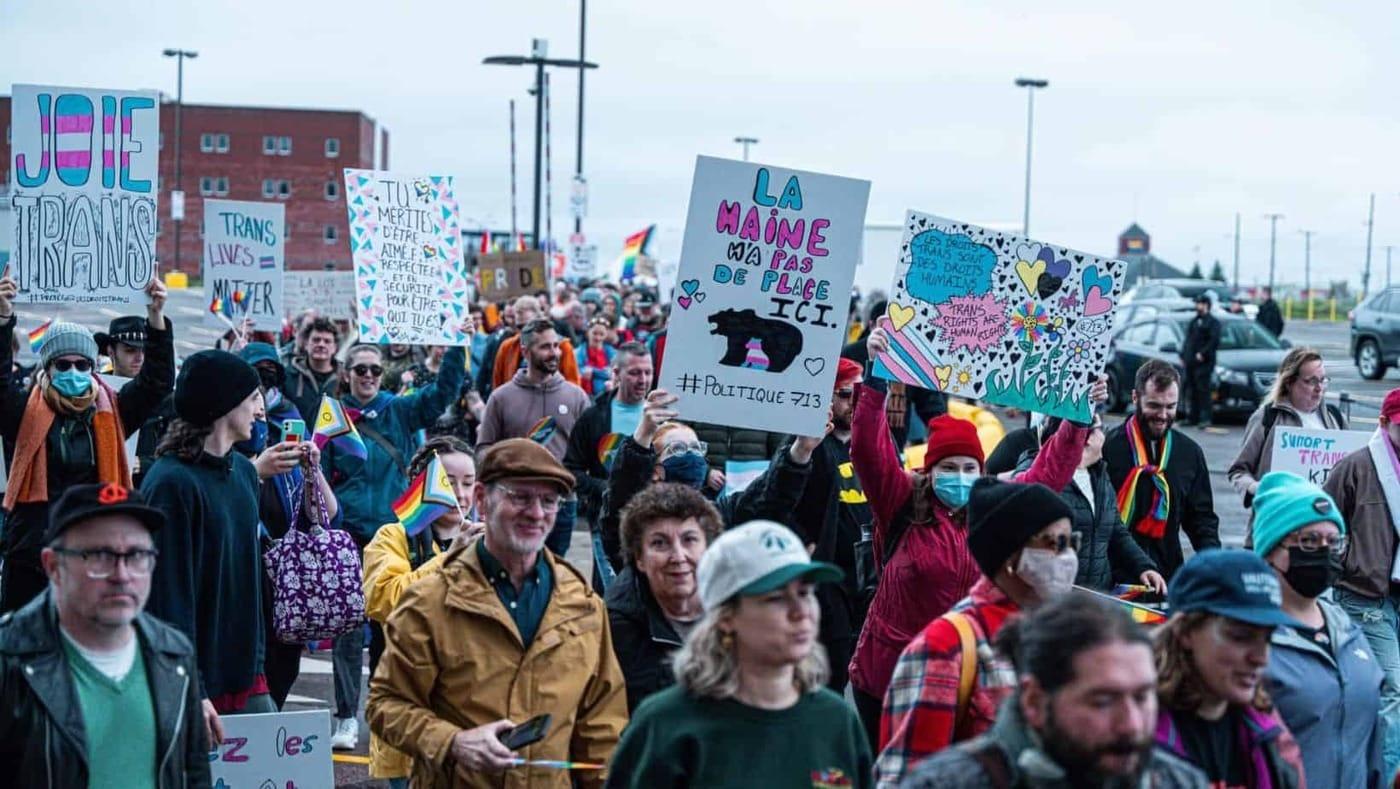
(997, 317)
(763, 288)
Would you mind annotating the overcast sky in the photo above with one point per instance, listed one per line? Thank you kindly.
(1176, 115)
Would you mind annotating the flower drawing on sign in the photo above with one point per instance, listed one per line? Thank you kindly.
(1078, 350)
(1030, 322)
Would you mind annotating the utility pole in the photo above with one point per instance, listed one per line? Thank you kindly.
(1370, 226)
(1237, 250)
(746, 142)
(1273, 234)
(179, 55)
(1387, 265)
(1307, 269)
(578, 150)
(1030, 85)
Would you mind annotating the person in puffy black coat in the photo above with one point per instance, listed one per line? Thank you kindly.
(1108, 554)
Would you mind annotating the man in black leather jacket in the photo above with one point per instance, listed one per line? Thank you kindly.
(92, 690)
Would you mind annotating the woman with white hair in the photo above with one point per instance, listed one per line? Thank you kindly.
(750, 672)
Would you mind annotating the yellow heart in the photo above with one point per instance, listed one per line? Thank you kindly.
(1030, 273)
(943, 373)
(899, 316)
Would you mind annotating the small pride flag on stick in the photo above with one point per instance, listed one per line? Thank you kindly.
(36, 337)
(427, 498)
(333, 425)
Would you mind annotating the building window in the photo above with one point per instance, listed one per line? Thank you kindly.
(284, 189)
(330, 234)
(269, 188)
(286, 231)
(157, 226)
(206, 143)
(276, 187)
(284, 146)
(332, 147)
(221, 186)
(269, 146)
(332, 190)
(221, 143)
(206, 186)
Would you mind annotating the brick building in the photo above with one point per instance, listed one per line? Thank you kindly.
(259, 153)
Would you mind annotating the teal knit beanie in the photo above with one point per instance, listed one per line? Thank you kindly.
(1285, 503)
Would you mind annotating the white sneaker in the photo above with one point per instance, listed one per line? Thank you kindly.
(346, 735)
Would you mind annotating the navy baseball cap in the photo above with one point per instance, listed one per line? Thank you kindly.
(1235, 584)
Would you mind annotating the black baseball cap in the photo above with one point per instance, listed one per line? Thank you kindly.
(1232, 583)
(127, 330)
(82, 502)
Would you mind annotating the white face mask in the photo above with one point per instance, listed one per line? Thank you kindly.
(1050, 574)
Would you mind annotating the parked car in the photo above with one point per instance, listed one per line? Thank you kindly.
(1245, 365)
(1375, 334)
(1183, 291)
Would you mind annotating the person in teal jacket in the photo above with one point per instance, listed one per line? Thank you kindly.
(366, 489)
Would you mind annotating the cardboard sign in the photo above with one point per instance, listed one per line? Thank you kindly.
(84, 183)
(583, 262)
(406, 243)
(762, 293)
(286, 750)
(502, 276)
(330, 293)
(1311, 454)
(997, 317)
(243, 253)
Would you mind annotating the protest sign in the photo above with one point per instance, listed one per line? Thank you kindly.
(282, 749)
(243, 254)
(998, 317)
(84, 182)
(1310, 453)
(763, 290)
(330, 293)
(406, 243)
(501, 276)
(583, 262)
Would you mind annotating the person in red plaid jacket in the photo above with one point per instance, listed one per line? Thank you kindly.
(950, 681)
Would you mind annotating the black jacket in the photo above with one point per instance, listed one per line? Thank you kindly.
(1202, 337)
(772, 496)
(305, 393)
(582, 459)
(41, 722)
(643, 638)
(1270, 317)
(1190, 509)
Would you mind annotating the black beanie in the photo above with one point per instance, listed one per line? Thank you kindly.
(211, 384)
(1002, 516)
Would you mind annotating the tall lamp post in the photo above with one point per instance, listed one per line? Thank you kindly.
(1273, 233)
(179, 55)
(746, 142)
(1030, 85)
(539, 61)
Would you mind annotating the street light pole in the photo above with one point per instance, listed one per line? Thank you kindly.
(578, 150)
(1273, 229)
(1030, 85)
(1370, 226)
(1307, 269)
(746, 142)
(179, 55)
(1237, 251)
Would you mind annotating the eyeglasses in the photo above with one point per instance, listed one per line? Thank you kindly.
(679, 447)
(1311, 543)
(100, 563)
(519, 499)
(367, 369)
(1058, 543)
(1315, 382)
(844, 394)
(64, 365)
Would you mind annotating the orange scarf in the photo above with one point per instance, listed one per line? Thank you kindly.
(29, 473)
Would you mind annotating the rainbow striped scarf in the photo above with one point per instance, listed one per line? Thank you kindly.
(1154, 523)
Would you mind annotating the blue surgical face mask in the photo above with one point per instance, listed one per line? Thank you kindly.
(71, 383)
(257, 442)
(687, 468)
(953, 488)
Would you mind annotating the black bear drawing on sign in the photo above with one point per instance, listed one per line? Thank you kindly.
(756, 343)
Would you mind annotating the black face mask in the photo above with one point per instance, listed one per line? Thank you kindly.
(1311, 573)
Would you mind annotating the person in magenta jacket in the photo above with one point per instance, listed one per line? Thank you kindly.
(929, 567)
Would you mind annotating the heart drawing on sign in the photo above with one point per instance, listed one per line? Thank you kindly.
(1095, 303)
(1030, 272)
(943, 374)
(814, 365)
(700, 298)
(690, 286)
(684, 301)
(899, 315)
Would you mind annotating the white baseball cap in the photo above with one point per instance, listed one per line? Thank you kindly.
(754, 559)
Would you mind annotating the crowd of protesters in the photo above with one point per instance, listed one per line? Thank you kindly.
(756, 609)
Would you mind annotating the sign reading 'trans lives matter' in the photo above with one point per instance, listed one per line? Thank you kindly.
(759, 311)
(84, 182)
(406, 243)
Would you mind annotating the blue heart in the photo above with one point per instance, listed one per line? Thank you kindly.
(690, 286)
(1091, 278)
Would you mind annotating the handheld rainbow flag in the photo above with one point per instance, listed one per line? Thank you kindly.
(608, 446)
(634, 247)
(555, 764)
(333, 424)
(36, 337)
(1141, 614)
(427, 498)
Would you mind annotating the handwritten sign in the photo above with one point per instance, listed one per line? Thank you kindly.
(84, 182)
(330, 293)
(762, 293)
(998, 317)
(501, 276)
(1310, 453)
(243, 254)
(286, 750)
(406, 243)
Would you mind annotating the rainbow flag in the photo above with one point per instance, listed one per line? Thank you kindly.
(427, 498)
(36, 337)
(1141, 614)
(333, 424)
(485, 242)
(519, 242)
(543, 430)
(608, 447)
(635, 246)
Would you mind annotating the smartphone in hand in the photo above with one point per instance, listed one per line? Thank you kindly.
(527, 733)
(293, 431)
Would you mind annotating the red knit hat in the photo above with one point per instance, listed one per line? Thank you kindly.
(1390, 407)
(949, 435)
(847, 372)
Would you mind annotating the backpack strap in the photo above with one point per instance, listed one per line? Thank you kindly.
(899, 525)
(384, 444)
(967, 675)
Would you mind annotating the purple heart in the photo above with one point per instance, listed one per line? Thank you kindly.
(1055, 268)
(684, 301)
